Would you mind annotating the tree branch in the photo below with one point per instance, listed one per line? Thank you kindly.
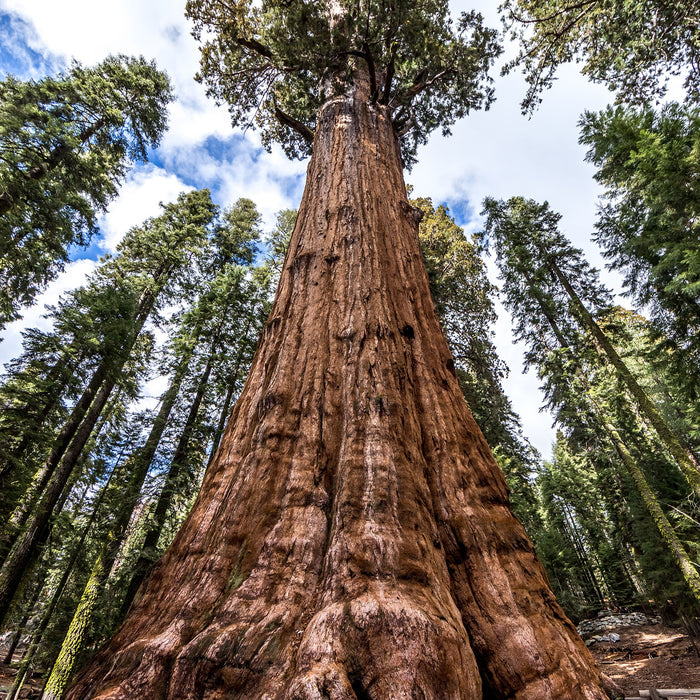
(295, 124)
(254, 45)
(389, 77)
(536, 20)
(422, 82)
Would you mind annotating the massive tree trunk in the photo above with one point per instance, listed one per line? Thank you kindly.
(353, 537)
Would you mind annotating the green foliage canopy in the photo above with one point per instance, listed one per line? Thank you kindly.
(633, 47)
(275, 63)
(65, 144)
(525, 237)
(649, 224)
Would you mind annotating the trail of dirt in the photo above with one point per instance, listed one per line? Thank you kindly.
(649, 656)
(32, 688)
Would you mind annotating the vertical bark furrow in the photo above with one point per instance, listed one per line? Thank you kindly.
(352, 538)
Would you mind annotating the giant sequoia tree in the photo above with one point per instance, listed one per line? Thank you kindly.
(352, 537)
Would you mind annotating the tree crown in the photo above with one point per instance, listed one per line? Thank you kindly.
(648, 225)
(277, 62)
(633, 47)
(65, 145)
(528, 245)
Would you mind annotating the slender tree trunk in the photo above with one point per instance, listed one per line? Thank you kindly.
(58, 450)
(232, 386)
(57, 386)
(165, 498)
(74, 640)
(594, 591)
(223, 418)
(353, 537)
(135, 474)
(15, 640)
(26, 545)
(685, 564)
(683, 456)
(690, 574)
(102, 377)
(24, 669)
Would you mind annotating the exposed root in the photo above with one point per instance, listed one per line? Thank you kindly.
(388, 647)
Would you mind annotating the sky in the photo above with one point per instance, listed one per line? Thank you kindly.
(497, 153)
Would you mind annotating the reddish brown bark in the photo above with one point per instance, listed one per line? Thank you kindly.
(353, 538)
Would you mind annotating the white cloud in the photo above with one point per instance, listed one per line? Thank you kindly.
(90, 31)
(139, 198)
(238, 167)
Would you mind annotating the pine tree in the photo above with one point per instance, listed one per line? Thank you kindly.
(587, 542)
(593, 408)
(66, 144)
(539, 268)
(74, 550)
(353, 531)
(234, 320)
(36, 388)
(527, 230)
(88, 330)
(148, 272)
(648, 225)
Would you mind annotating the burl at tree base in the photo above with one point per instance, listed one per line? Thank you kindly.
(353, 537)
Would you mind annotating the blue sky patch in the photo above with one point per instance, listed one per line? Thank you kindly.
(19, 50)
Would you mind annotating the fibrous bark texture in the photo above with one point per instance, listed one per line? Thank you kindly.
(352, 539)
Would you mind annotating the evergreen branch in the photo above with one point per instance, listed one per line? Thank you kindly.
(294, 124)
(55, 157)
(255, 46)
(537, 20)
(419, 85)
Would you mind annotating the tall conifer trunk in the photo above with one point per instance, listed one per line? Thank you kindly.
(353, 537)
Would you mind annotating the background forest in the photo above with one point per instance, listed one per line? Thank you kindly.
(159, 262)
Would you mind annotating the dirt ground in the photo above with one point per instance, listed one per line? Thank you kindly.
(31, 689)
(649, 656)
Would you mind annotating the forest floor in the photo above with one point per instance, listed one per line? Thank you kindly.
(32, 688)
(647, 656)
